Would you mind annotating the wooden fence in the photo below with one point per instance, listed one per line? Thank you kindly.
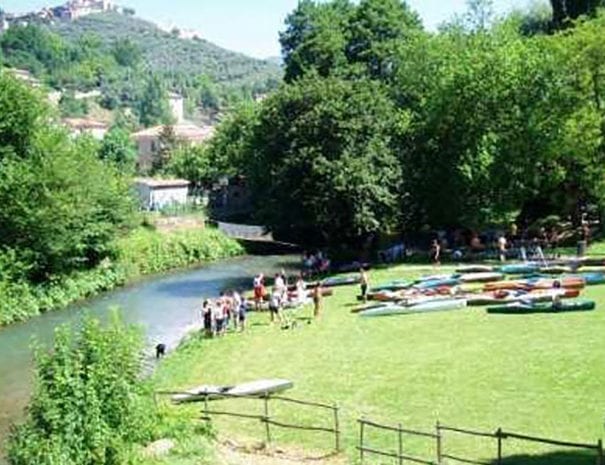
(269, 421)
(400, 455)
(438, 437)
(441, 455)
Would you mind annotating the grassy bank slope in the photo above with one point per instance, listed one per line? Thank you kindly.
(535, 374)
(142, 252)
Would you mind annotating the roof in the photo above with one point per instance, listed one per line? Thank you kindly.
(151, 182)
(85, 123)
(186, 131)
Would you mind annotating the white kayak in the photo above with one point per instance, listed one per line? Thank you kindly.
(424, 307)
(481, 277)
(475, 269)
(251, 389)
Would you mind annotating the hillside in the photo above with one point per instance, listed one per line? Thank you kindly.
(165, 52)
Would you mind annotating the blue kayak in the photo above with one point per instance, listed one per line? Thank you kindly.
(519, 268)
(591, 278)
(437, 283)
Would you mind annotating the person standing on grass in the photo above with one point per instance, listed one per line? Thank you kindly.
(502, 248)
(317, 300)
(279, 287)
(259, 291)
(435, 253)
(217, 318)
(207, 318)
(364, 282)
(301, 290)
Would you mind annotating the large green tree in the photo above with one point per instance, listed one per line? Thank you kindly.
(323, 165)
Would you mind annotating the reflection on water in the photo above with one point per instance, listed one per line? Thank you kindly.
(164, 306)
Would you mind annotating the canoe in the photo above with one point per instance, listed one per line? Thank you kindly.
(252, 389)
(480, 277)
(475, 269)
(521, 308)
(592, 261)
(425, 307)
(340, 281)
(519, 268)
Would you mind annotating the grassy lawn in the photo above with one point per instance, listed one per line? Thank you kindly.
(541, 375)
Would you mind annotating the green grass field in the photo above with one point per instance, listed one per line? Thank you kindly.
(541, 375)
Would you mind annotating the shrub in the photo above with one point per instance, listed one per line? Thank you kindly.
(89, 405)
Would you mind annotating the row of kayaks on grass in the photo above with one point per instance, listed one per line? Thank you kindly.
(442, 305)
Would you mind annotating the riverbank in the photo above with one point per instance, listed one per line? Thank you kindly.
(141, 253)
(527, 373)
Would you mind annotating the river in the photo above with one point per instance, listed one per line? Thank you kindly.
(166, 306)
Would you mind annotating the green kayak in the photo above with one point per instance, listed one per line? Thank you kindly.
(521, 308)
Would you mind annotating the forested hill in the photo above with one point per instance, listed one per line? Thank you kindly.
(166, 52)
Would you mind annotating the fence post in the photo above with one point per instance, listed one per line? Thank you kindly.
(601, 458)
(266, 419)
(439, 443)
(361, 443)
(336, 428)
(499, 435)
(400, 433)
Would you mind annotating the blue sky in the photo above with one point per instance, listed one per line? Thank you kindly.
(249, 26)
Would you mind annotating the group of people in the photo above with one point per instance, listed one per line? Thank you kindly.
(314, 263)
(282, 296)
(228, 310)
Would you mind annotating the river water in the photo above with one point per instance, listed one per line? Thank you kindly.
(166, 307)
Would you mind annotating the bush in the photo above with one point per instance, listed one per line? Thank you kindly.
(89, 405)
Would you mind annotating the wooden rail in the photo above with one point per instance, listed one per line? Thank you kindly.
(400, 455)
(266, 419)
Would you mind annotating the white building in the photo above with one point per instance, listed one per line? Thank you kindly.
(156, 194)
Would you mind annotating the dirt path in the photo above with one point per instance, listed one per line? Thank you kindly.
(231, 453)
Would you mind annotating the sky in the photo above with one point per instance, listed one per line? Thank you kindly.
(249, 26)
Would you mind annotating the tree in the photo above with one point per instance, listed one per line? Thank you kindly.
(315, 38)
(126, 53)
(322, 167)
(377, 28)
(23, 115)
(480, 14)
(168, 142)
(61, 206)
(564, 10)
(118, 149)
(152, 105)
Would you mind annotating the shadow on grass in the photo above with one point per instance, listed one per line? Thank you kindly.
(552, 458)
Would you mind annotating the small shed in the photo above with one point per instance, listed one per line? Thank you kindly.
(156, 194)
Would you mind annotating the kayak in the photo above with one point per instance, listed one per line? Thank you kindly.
(591, 278)
(519, 268)
(507, 285)
(424, 307)
(475, 269)
(551, 307)
(567, 283)
(555, 269)
(252, 389)
(434, 277)
(480, 277)
(430, 284)
(340, 281)
(392, 286)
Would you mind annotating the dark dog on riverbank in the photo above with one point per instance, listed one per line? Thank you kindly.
(160, 350)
